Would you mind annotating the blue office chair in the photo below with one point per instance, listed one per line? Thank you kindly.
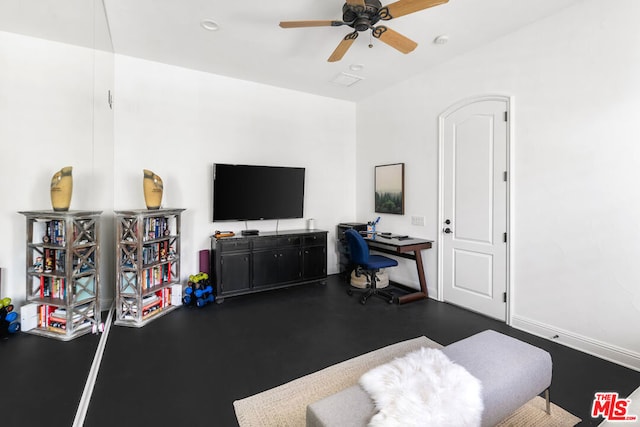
(368, 265)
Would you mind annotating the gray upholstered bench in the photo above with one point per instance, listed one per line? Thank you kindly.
(511, 372)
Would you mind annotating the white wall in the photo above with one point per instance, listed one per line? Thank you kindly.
(576, 237)
(174, 121)
(47, 122)
(178, 122)
(577, 117)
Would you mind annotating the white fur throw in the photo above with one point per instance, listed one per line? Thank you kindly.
(423, 388)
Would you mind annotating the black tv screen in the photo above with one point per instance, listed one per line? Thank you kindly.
(246, 192)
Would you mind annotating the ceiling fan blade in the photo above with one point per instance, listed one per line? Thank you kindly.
(405, 7)
(394, 39)
(302, 24)
(356, 3)
(343, 47)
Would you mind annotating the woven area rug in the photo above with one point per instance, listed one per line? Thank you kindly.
(533, 414)
(285, 405)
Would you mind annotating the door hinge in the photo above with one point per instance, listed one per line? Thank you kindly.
(506, 116)
(504, 176)
(504, 297)
(110, 99)
(504, 237)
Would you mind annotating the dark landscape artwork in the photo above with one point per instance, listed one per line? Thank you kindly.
(389, 187)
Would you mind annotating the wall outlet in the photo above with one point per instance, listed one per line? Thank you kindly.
(417, 220)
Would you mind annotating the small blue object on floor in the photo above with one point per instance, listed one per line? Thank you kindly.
(9, 323)
(199, 291)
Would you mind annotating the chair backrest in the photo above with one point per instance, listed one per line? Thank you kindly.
(358, 249)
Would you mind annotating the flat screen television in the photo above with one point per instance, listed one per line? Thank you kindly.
(247, 192)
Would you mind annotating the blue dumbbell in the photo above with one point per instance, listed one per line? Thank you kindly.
(14, 327)
(202, 292)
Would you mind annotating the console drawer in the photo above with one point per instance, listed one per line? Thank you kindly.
(276, 242)
(315, 239)
(233, 245)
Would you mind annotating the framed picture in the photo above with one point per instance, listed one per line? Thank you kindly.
(389, 188)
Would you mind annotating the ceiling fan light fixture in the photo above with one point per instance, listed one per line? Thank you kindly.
(209, 24)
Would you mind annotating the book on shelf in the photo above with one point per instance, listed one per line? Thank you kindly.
(160, 300)
(54, 260)
(155, 227)
(156, 276)
(54, 318)
(151, 304)
(157, 252)
(54, 233)
(52, 287)
(152, 307)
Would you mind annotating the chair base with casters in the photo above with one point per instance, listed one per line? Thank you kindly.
(371, 288)
(368, 265)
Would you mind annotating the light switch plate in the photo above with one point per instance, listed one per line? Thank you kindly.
(417, 220)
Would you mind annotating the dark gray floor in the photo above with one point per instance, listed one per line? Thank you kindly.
(42, 379)
(186, 368)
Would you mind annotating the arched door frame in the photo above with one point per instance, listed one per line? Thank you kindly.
(509, 103)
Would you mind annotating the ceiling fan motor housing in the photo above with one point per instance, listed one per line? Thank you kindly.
(363, 15)
(361, 18)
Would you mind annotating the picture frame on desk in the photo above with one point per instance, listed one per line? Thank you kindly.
(389, 189)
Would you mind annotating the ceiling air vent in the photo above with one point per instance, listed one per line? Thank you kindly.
(345, 79)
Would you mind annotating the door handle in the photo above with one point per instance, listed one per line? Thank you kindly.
(448, 230)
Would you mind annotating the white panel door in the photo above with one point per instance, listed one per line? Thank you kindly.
(474, 210)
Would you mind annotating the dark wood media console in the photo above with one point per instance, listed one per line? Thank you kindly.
(247, 264)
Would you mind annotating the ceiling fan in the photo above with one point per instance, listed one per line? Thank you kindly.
(362, 15)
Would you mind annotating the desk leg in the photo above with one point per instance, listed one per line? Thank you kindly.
(423, 293)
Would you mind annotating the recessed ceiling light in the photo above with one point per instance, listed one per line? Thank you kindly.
(356, 67)
(443, 39)
(209, 25)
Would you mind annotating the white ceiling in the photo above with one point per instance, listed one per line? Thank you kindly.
(251, 46)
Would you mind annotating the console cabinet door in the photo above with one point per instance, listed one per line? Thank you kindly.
(276, 266)
(265, 268)
(314, 256)
(314, 262)
(234, 272)
(289, 265)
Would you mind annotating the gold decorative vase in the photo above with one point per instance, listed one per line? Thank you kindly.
(61, 189)
(152, 186)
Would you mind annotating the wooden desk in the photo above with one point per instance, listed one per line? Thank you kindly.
(409, 248)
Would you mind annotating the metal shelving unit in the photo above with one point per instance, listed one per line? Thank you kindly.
(148, 264)
(62, 272)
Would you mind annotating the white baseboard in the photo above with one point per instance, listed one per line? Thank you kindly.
(621, 356)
